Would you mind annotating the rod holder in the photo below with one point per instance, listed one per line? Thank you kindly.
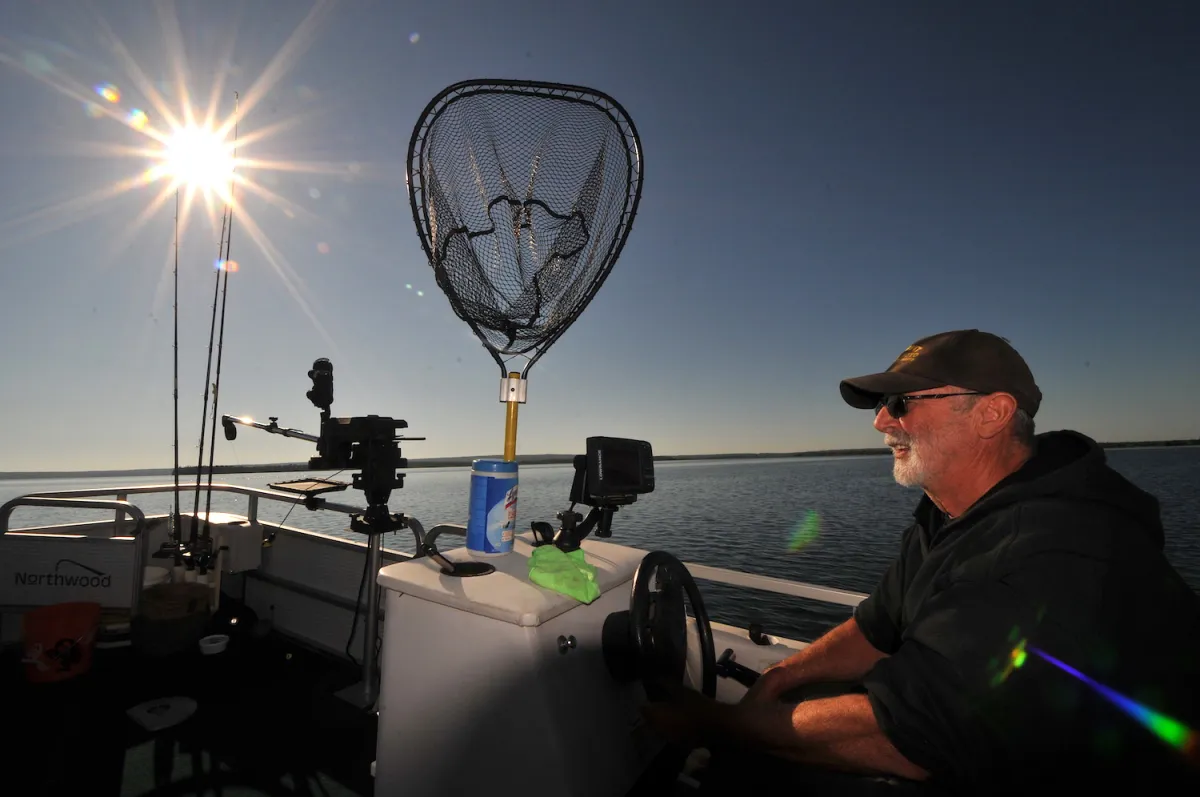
(512, 388)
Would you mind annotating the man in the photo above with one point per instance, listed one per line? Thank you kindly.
(1030, 598)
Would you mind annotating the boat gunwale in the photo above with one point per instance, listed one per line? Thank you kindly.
(720, 575)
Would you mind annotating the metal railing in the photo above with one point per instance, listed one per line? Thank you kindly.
(253, 494)
(720, 575)
(780, 586)
(58, 501)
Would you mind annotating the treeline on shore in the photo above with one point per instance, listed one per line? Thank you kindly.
(529, 459)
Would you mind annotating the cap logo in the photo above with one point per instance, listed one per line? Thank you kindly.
(909, 354)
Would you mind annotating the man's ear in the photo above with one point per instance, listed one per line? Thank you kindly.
(993, 412)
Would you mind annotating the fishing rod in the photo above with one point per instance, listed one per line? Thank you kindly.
(212, 447)
(226, 219)
(207, 376)
(177, 521)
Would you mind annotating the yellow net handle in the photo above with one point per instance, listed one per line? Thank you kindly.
(512, 393)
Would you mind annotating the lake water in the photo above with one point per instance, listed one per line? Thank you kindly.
(739, 514)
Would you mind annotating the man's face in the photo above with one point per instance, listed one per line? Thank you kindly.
(928, 439)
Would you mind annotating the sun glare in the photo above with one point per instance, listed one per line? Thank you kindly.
(183, 149)
(197, 158)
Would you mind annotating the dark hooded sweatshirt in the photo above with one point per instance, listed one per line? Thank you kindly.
(1061, 560)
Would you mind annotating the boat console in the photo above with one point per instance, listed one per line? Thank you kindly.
(496, 682)
(493, 682)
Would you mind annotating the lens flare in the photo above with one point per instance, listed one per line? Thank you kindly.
(806, 531)
(1015, 660)
(109, 92)
(225, 265)
(1168, 729)
(138, 119)
(36, 63)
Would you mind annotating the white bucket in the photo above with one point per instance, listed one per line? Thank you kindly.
(212, 645)
(155, 575)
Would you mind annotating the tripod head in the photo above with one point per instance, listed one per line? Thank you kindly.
(368, 444)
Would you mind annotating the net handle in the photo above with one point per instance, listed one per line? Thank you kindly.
(516, 394)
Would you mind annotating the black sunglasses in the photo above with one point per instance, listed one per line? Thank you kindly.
(897, 406)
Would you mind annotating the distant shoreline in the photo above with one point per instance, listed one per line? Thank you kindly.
(531, 459)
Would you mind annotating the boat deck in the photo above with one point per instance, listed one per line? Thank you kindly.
(267, 722)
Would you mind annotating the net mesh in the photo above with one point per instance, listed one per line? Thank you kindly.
(523, 195)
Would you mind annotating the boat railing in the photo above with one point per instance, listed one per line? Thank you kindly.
(779, 586)
(122, 507)
(720, 575)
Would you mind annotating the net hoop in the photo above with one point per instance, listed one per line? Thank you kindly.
(418, 193)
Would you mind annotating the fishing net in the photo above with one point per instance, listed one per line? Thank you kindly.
(523, 194)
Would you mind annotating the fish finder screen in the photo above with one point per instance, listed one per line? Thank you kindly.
(619, 468)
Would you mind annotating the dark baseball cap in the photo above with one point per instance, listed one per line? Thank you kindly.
(967, 358)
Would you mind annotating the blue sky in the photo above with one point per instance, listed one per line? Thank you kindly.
(824, 183)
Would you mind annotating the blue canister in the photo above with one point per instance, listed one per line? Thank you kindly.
(493, 517)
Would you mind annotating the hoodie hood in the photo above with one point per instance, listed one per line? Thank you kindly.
(1070, 466)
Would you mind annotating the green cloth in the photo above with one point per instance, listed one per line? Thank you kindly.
(568, 573)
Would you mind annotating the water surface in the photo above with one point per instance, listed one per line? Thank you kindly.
(739, 514)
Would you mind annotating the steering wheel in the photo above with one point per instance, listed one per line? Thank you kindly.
(658, 625)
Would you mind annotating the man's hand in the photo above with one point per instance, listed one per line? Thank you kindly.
(839, 732)
(841, 655)
(685, 717)
(766, 689)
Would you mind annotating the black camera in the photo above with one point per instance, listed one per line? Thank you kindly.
(614, 472)
(321, 375)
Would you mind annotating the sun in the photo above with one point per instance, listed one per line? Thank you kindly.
(197, 158)
(183, 150)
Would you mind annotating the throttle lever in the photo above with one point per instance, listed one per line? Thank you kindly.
(728, 668)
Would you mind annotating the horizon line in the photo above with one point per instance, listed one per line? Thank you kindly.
(541, 459)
